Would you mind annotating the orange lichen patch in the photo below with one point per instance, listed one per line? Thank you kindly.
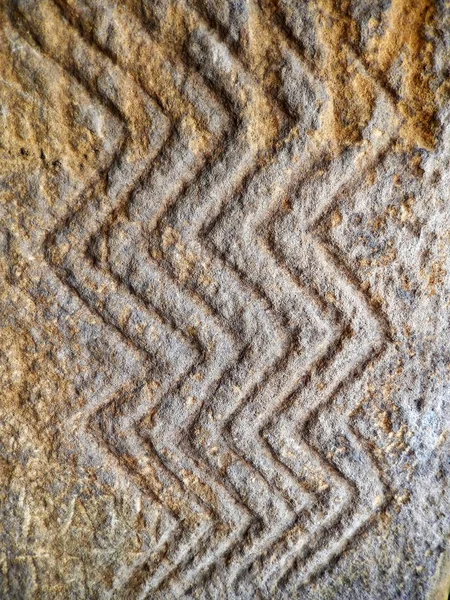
(351, 95)
(405, 40)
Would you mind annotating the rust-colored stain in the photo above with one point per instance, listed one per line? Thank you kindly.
(351, 95)
(406, 43)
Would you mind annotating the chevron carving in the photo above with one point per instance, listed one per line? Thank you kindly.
(204, 242)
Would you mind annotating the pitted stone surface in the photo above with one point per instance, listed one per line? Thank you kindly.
(225, 299)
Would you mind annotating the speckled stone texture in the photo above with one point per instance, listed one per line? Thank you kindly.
(224, 299)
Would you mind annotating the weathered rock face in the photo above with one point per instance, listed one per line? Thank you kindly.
(225, 299)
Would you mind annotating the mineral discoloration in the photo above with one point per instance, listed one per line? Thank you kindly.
(224, 299)
(408, 39)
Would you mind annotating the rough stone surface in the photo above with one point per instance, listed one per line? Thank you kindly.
(224, 299)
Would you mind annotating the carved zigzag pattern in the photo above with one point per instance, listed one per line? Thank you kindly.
(114, 302)
(177, 245)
